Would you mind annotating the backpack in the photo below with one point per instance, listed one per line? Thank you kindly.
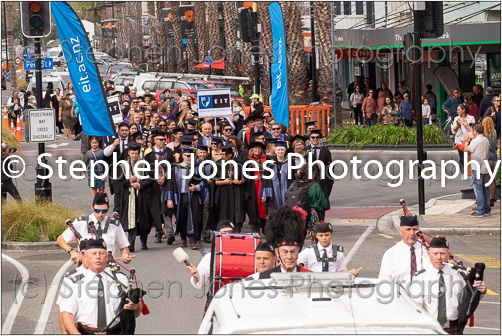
(432, 100)
(297, 196)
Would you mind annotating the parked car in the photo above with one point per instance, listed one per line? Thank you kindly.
(101, 56)
(155, 83)
(120, 81)
(315, 303)
(57, 82)
(185, 93)
(224, 85)
(114, 69)
(57, 56)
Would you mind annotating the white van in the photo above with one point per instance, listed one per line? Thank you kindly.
(57, 56)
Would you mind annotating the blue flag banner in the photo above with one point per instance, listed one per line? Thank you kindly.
(279, 71)
(84, 74)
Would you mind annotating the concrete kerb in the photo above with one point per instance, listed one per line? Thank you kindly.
(32, 246)
(390, 222)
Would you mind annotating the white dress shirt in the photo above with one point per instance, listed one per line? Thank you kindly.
(67, 280)
(396, 262)
(114, 237)
(204, 269)
(308, 258)
(424, 290)
(80, 298)
(108, 151)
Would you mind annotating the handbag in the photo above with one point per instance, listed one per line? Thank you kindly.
(99, 167)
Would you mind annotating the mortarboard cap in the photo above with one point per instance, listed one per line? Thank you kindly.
(193, 121)
(186, 139)
(187, 150)
(310, 123)
(257, 144)
(177, 130)
(316, 132)
(203, 148)
(297, 137)
(263, 246)
(133, 145)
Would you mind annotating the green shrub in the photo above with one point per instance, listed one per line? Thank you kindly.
(32, 222)
(22, 84)
(355, 136)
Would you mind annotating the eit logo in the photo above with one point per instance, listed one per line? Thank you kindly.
(206, 101)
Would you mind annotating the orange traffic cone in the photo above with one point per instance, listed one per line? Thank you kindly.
(5, 118)
(22, 123)
(12, 128)
(19, 135)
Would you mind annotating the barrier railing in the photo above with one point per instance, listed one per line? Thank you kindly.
(301, 114)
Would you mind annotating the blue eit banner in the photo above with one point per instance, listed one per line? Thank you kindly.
(279, 71)
(84, 74)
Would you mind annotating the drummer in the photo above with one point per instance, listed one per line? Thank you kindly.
(203, 269)
(264, 257)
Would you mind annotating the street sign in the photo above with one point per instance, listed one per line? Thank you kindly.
(115, 110)
(41, 125)
(47, 64)
(209, 60)
(214, 103)
(18, 61)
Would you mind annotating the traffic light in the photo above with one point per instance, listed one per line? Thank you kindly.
(35, 18)
(248, 25)
(430, 22)
(408, 47)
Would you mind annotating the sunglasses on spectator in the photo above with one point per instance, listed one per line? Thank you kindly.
(496, 100)
(315, 137)
(162, 125)
(100, 211)
(227, 129)
(276, 129)
(160, 139)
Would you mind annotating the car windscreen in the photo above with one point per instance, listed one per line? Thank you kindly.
(197, 86)
(55, 84)
(123, 80)
(154, 85)
(52, 53)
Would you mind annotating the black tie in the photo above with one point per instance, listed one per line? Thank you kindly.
(441, 300)
(99, 230)
(101, 305)
(325, 263)
(121, 145)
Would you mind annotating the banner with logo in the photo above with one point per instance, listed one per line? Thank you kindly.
(168, 22)
(187, 17)
(214, 103)
(94, 113)
(103, 28)
(279, 71)
(115, 29)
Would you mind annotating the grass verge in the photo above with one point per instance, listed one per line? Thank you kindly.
(34, 222)
(9, 138)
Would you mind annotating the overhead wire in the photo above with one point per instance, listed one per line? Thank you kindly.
(389, 15)
(469, 16)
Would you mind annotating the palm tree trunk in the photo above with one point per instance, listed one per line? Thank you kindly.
(136, 32)
(9, 8)
(267, 45)
(201, 26)
(213, 27)
(322, 19)
(232, 55)
(176, 51)
(297, 81)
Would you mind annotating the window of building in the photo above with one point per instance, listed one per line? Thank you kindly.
(347, 10)
(359, 8)
(370, 13)
(338, 9)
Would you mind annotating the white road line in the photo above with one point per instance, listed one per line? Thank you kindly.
(489, 302)
(49, 300)
(358, 243)
(25, 275)
(485, 328)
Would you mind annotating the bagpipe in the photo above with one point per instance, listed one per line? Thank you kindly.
(470, 297)
(130, 293)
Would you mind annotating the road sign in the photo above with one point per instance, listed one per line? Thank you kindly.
(214, 103)
(18, 61)
(209, 60)
(47, 64)
(42, 125)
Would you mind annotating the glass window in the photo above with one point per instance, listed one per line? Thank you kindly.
(178, 85)
(370, 13)
(359, 8)
(338, 7)
(347, 10)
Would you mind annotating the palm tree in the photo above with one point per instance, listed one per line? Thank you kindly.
(297, 81)
(267, 45)
(176, 51)
(213, 27)
(322, 19)
(201, 27)
(9, 8)
(231, 56)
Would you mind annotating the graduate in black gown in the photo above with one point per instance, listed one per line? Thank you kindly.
(184, 193)
(274, 189)
(321, 152)
(228, 190)
(256, 210)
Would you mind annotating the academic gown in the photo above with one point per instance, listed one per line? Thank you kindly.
(255, 208)
(206, 192)
(326, 183)
(194, 198)
(295, 162)
(227, 201)
(274, 189)
(134, 203)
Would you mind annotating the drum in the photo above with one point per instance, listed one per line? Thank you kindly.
(232, 258)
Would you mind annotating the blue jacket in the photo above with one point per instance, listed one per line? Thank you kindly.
(451, 106)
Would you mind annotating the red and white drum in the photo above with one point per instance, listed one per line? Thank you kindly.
(232, 258)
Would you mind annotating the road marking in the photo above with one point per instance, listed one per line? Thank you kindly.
(358, 243)
(485, 328)
(497, 303)
(385, 236)
(490, 292)
(25, 275)
(489, 261)
(51, 296)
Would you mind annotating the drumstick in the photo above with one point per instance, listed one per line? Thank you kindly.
(130, 257)
(359, 269)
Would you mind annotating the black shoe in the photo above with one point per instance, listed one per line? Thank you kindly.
(143, 246)
(170, 240)
(158, 239)
(131, 248)
(207, 240)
